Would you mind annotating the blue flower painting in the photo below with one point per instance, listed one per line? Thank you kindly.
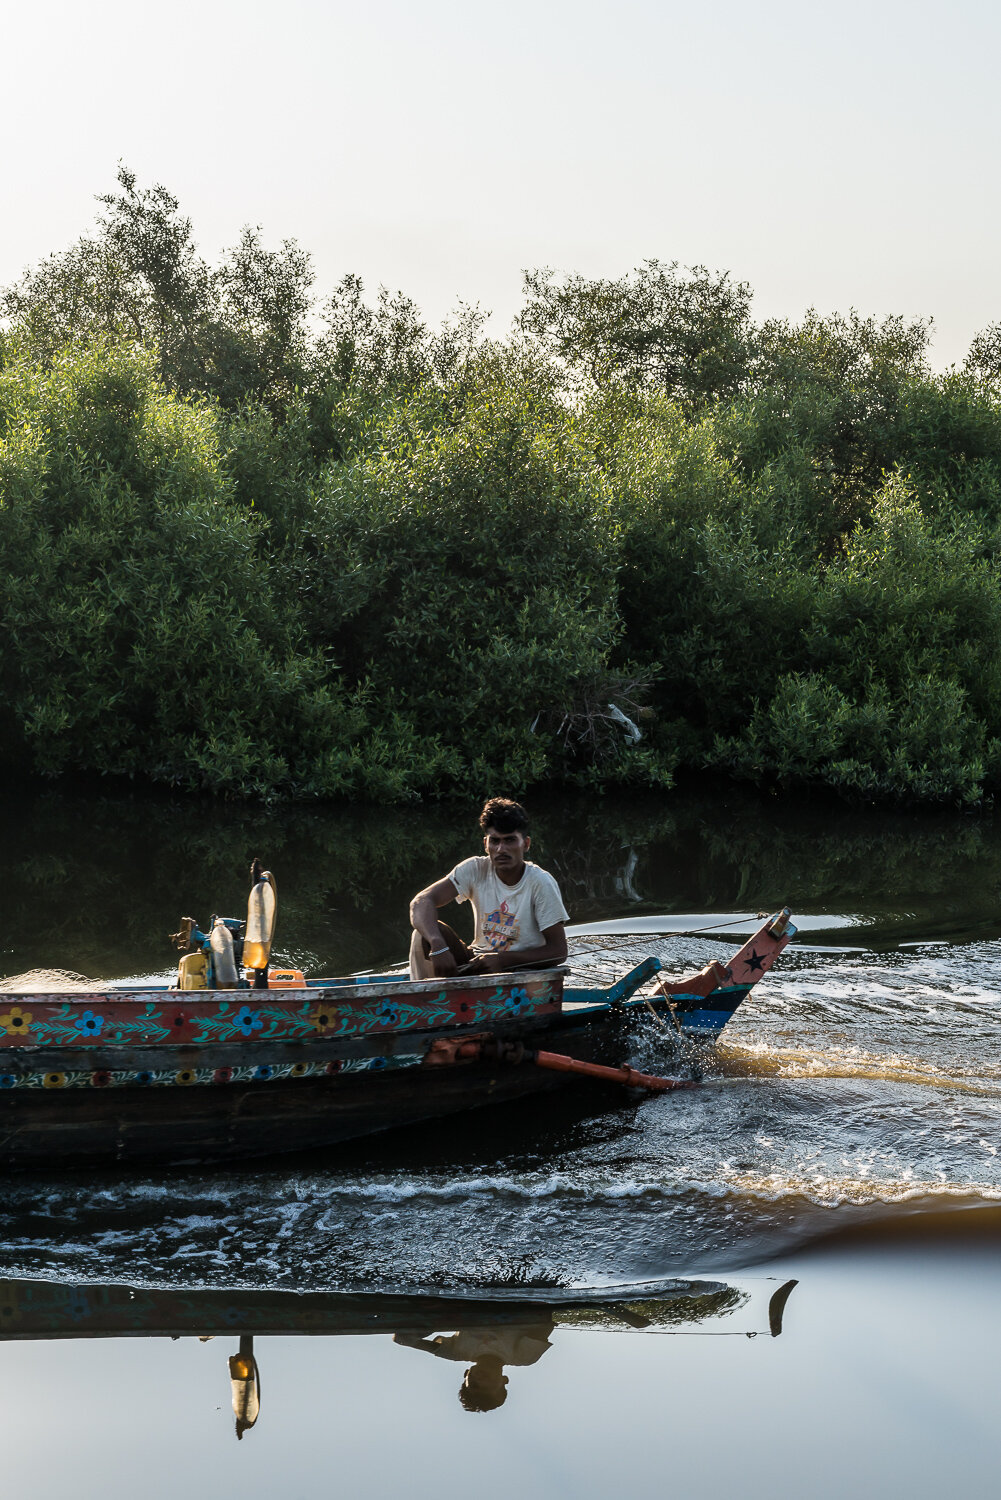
(89, 1024)
(516, 1002)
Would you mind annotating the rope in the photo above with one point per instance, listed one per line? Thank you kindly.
(659, 1018)
(751, 916)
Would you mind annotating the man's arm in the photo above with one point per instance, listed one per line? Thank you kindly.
(423, 916)
(552, 951)
(441, 1345)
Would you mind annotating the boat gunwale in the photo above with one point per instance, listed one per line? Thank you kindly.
(361, 990)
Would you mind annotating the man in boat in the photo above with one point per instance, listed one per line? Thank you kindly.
(518, 912)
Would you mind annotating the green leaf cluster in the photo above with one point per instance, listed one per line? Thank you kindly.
(142, 634)
(265, 555)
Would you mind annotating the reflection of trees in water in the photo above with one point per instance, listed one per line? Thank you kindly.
(598, 859)
(838, 859)
(742, 852)
(94, 883)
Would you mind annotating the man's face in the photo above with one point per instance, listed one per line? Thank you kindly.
(506, 851)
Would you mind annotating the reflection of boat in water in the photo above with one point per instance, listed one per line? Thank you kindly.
(43, 1309)
(487, 1335)
(243, 1059)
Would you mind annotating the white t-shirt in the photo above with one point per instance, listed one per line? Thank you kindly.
(508, 916)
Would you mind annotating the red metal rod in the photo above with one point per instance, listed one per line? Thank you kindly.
(629, 1076)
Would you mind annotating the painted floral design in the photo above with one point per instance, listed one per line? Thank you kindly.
(138, 1020)
(105, 1078)
(16, 1022)
(516, 1002)
(79, 1307)
(89, 1024)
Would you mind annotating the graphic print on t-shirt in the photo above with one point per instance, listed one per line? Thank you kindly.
(500, 927)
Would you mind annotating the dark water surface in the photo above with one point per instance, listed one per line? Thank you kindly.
(860, 1086)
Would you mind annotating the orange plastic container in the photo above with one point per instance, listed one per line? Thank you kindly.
(286, 979)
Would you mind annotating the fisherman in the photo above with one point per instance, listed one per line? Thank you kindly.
(518, 912)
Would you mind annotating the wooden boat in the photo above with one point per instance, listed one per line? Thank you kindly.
(154, 1072)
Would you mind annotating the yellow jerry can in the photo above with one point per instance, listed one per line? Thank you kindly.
(192, 971)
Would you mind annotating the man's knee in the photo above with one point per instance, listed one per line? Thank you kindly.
(460, 952)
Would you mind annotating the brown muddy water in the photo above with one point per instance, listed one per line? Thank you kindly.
(610, 1279)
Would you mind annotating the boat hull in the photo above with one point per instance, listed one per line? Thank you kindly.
(233, 1120)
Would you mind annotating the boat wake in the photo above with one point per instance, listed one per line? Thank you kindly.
(472, 1237)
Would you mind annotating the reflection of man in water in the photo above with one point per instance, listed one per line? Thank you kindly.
(484, 1385)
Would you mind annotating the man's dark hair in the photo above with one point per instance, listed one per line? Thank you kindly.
(504, 815)
(485, 1385)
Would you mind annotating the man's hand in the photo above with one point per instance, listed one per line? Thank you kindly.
(445, 965)
(553, 950)
(424, 917)
(487, 963)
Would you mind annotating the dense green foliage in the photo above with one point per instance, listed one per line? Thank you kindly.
(264, 555)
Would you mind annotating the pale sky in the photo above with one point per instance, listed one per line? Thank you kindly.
(841, 155)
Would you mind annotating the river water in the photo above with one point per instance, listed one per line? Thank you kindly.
(846, 1135)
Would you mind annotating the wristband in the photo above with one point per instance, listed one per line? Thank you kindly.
(437, 952)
